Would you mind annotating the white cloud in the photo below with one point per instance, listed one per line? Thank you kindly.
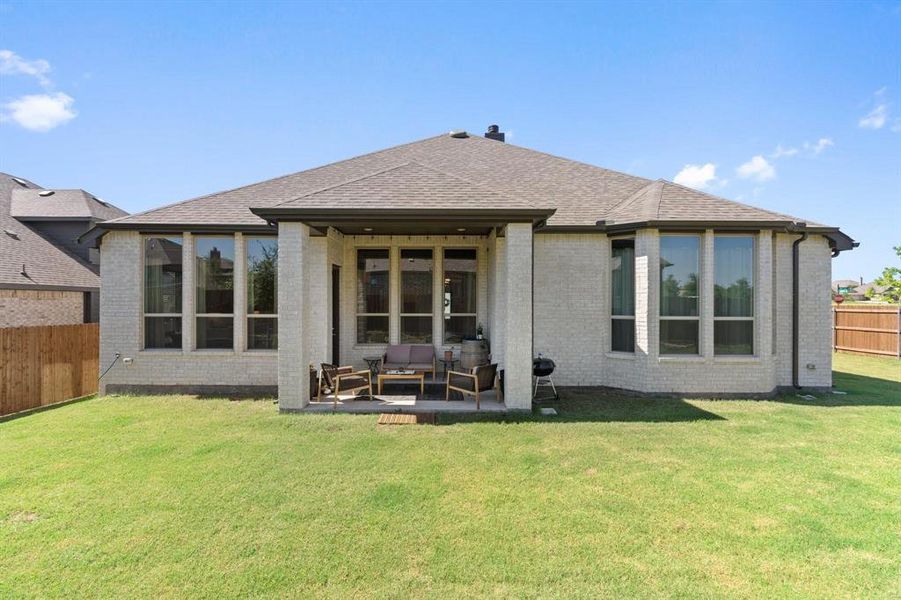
(780, 151)
(876, 118)
(820, 145)
(40, 112)
(13, 64)
(696, 176)
(37, 112)
(758, 169)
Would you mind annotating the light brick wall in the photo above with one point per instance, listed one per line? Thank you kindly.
(121, 331)
(582, 351)
(29, 308)
(518, 351)
(569, 302)
(571, 317)
(815, 342)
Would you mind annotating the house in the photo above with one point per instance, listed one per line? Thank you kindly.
(46, 276)
(625, 282)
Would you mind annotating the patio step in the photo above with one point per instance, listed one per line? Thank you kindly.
(406, 419)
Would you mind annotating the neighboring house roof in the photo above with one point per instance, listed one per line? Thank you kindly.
(469, 172)
(46, 266)
(34, 204)
(845, 283)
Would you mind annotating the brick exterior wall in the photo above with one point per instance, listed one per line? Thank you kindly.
(28, 308)
(228, 371)
(577, 336)
(571, 315)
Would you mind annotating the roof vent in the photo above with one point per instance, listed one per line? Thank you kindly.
(11, 233)
(21, 182)
(494, 133)
(46, 193)
(458, 133)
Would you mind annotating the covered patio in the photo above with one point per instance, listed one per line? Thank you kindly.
(407, 401)
(329, 314)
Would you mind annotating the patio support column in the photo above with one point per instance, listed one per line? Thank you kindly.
(293, 362)
(518, 309)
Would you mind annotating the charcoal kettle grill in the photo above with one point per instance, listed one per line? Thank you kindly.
(542, 368)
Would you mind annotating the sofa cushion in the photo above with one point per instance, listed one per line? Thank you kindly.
(390, 366)
(422, 354)
(399, 353)
(421, 366)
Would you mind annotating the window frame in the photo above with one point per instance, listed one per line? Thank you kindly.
(358, 314)
(400, 281)
(449, 315)
(179, 315)
(622, 317)
(195, 283)
(754, 284)
(700, 310)
(248, 239)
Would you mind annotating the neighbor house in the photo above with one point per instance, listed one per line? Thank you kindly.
(625, 282)
(47, 275)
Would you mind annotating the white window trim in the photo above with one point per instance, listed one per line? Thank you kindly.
(357, 342)
(144, 348)
(445, 316)
(754, 278)
(660, 317)
(197, 315)
(247, 314)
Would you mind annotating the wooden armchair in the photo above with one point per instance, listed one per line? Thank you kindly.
(343, 379)
(480, 379)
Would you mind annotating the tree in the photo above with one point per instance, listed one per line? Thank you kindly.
(891, 280)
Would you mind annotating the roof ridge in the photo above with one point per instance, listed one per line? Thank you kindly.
(564, 159)
(476, 184)
(637, 194)
(735, 202)
(285, 176)
(343, 183)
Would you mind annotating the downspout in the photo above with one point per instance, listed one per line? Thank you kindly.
(796, 306)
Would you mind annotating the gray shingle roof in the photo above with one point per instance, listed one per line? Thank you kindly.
(409, 185)
(74, 204)
(46, 265)
(470, 172)
(663, 201)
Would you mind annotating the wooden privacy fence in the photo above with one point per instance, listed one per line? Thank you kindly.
(48, 364)
(872, 329)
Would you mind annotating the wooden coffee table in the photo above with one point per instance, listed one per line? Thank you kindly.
(382, 377)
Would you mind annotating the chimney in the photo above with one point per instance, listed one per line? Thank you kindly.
(494, 133)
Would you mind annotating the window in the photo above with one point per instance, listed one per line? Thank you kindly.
(622, 285)
(416, 296)
(459, 294)
(162, 292)
(372, 296)
(262, 293)
(733, 295)
(679, 285)
(214, 269)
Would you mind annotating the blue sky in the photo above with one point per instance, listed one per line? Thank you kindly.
(792, 107)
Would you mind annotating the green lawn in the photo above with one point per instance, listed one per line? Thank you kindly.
(175, 496)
